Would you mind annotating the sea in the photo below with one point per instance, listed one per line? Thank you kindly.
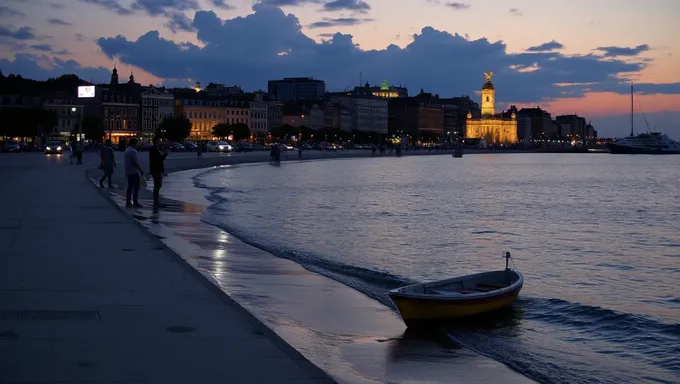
(597, 237)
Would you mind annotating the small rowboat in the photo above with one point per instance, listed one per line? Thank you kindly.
(458, 297)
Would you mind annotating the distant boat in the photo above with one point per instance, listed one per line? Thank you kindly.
(651, 143)
(458, 297)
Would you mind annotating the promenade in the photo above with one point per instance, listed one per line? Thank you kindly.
(87, 295)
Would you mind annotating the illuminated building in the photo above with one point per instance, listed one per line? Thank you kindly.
(491, 127)
(157, 105)
(384, 91)
(121, 109)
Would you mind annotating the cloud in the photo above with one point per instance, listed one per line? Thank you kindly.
(286, 3)
(516, 12)
(23, 33)
(347, 5)
(42, 47)
(55, 21)
(180, 22)
(163, 7)
(222, 4)
(111, 5)
(546, 47)
(244, 48)
(458, 6)
(57, 6)
(339, 22)
(63, 52)
(623, 51)
(80, 37)
(27, 65)
(7, 11)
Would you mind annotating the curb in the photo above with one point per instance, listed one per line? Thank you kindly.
(226, 299)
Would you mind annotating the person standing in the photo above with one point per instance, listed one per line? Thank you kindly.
(108, 162)
(157, 169)
(134, 173)
(199, 150)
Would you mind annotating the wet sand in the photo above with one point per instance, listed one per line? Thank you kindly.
(349, 335)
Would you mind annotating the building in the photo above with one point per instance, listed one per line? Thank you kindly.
(303, 113)
(221, 90)
(296, 88)
(385, 91)
(258, 115)
(237, 112)
(157, 105)
(369, 113)
(455, 114)
(572, 126)
(203, 112)
(274, 114)
(121, 108)
(489, 126)
(416, 116)
(540, 122)
(70, 115)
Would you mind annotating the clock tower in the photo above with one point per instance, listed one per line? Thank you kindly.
(488, 96)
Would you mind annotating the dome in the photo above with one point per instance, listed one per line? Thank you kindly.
(488, 85)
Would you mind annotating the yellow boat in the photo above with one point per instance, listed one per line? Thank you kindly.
(458, 297)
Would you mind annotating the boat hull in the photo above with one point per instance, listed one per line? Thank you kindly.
(424, 309)
(627, 150)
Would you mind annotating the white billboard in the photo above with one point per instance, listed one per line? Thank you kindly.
(86, 91)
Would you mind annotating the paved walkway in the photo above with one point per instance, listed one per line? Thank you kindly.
(86, 295)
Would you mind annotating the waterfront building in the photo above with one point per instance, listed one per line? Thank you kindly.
(385, 91)
(416, 116)
(274, 114)
(572, 126)
(157, 105)
(489, 126)
(455, 115)
(70, 115)
(121, 108)
(296, 88)
(302, 113)
(258, 114)
(540, 122)
(203, 112)
(368, 113)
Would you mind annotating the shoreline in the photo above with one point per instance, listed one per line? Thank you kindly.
(375, 329)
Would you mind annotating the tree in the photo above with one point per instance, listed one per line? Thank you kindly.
(283, 132)
(175, 128)
(93, 128)
(221, 130)
(240, 131)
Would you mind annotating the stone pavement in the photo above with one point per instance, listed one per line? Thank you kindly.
(87, 295)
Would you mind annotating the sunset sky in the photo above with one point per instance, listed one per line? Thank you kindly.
(575, 56)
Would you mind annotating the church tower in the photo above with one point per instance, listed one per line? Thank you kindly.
(488, 96)
(114, 76)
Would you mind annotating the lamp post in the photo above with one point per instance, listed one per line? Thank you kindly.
(80, 131)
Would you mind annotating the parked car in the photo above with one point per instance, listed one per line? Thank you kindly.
(145, 146)
(176, 147)
(244, 147)
(11, 146)
(219, 146)
(55, 147)
(190, 146)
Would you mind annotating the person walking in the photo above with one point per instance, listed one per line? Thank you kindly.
(108, 163)
(134, 173)
(199, 150)
(157, 169)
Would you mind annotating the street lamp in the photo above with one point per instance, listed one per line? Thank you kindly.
(80, 131)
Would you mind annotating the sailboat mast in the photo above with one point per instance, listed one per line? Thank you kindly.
(631, 109)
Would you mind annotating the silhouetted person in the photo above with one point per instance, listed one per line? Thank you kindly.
(108, 163)
(134, 173)
(156, 169)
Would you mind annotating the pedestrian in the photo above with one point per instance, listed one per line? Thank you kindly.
(134, 173)
(199, 150)
(108, 163)
(157, 169)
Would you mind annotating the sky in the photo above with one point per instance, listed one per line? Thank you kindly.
(568, 57)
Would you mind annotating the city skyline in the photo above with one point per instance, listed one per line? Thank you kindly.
(567, 57)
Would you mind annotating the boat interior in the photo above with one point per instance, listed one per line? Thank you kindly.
(479, 283)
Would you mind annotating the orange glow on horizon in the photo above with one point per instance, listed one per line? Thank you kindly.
(608, 103)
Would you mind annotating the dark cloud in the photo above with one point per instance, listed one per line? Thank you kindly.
(23, 33)
(222, 4)
(63, 52)
(623, 51)
(347, 5)
(55, 21)
(326, 34)
(111, 5)
(163, 7)
(27, 65)
(245, 48)
(516, 12)
(546, 47)
(42, 47)
(458, 6)
(7, 11)
(180, 22)
(287, 3)
(339, 22)
(57, 6)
